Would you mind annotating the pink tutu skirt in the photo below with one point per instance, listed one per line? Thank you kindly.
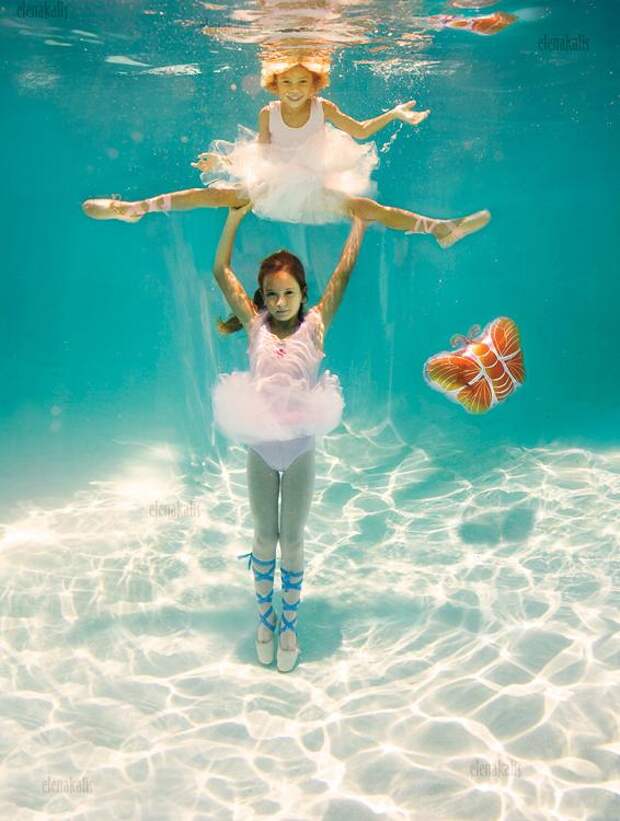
(275, 409)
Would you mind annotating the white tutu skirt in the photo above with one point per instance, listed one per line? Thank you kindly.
(306, 183)
(275, 409)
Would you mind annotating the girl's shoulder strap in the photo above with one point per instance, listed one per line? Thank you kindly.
(318, 107)
(256, 323)
(314, 321)
(274, 108)
(260, 316)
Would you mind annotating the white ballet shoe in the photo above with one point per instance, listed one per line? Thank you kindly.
(286, 659)
(108, 209)
(265, 649)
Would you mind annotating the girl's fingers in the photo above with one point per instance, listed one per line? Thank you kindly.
(240, 210)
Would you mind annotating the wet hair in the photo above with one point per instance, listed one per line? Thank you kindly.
(270, 74)
(280, 261)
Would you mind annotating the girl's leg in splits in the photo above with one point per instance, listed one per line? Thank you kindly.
(297, 490)
(132, 211)
(482, 24)
(446, 232)
(263, 490)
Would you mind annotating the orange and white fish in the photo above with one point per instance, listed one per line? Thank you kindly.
(482, 373)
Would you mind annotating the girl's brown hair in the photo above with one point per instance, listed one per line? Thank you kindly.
(280, 261)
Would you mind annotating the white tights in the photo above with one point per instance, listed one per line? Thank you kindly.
(280, 519)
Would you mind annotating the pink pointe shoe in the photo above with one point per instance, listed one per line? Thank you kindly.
(112, 209)
(465, 226)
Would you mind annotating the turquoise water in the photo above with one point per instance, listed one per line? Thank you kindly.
(459, 608)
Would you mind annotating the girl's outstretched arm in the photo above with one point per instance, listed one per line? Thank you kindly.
(365, 128)
(236, 295)
(335, 288)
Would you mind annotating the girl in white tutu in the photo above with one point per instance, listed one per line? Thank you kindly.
(303, 165)
(277, 409)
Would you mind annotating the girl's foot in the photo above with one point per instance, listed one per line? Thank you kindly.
(114, 209)
(265, 635)
(288, 640)
(492, 23)
(447, 232)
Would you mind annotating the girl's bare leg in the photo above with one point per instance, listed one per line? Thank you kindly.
(264, 492)
(132, 211)
(446, 232)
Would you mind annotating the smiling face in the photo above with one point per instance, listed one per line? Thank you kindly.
(295, 86)
(282, 296)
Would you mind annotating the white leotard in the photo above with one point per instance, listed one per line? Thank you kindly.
(303, 175)
(285, 136)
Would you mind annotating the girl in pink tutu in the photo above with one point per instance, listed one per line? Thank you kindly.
(304, 164)
(278, 409)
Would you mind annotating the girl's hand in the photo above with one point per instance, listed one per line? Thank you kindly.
(237, 214)
(403, 112)
(359, 223)
(207, 161)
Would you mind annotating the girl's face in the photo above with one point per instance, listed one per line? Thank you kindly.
(295, 86)
(282, 295)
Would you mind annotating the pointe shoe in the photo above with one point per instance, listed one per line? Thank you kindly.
(286, 659)
(465, 226)
(264, 649)
(108, 209)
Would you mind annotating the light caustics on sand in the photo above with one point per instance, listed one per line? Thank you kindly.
(458, 626)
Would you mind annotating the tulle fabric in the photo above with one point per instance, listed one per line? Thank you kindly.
(281, 397)
(251, 410)
(305, 183)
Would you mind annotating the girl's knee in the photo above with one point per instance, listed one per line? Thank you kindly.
(292, 549)
(235, 199)
(265, 544)
(364, 208)
(221, 197)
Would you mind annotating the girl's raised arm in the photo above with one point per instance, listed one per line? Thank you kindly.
(332, 296)
(365, 128)
(236, 295)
